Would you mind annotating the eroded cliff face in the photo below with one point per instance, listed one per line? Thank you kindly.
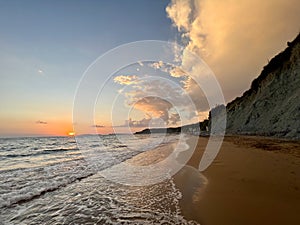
(272, 105)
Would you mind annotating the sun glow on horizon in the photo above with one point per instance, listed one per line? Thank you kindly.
(71, 133)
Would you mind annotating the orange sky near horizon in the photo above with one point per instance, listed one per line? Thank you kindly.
(40, 71)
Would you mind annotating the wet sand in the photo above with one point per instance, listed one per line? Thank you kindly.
(253, 180)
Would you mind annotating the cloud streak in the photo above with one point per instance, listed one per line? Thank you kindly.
(41, 122)
(98, 126)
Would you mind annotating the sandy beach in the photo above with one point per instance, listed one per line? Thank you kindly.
(253, 180)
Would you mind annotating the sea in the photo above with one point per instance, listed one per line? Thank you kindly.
(51, 180)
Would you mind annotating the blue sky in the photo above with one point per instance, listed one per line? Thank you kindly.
(45, 46)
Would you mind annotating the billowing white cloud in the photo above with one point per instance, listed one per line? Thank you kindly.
(235, 38)
(180, 12)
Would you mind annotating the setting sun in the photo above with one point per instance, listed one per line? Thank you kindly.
(71, 133)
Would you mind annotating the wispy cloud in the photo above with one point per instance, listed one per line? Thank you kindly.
(41, 72)
(41, 122)
(98, 126)
(140, 63)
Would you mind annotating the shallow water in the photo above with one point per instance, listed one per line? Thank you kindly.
(51, 181)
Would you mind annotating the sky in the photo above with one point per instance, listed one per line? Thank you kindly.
(46, 47)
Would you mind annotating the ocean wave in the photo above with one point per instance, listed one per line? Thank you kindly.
(97, 201)
(24, 185)
(46, 151)
(74, 188)
(29, 194)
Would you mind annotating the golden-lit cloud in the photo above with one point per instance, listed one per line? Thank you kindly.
(150, 97)
(172, 70)
(180, 12)
(126, 80)
(235, 38)
(154, 107)
(158, 65)
(177, 72)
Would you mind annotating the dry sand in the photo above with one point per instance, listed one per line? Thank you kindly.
(253, 180)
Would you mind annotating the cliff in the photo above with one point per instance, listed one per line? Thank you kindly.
(272, 105)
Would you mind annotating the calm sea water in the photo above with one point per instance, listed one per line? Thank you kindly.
(49, 181)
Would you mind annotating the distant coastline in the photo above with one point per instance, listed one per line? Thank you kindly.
(200, 128)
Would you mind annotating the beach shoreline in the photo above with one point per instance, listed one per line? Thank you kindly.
(253, 180)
